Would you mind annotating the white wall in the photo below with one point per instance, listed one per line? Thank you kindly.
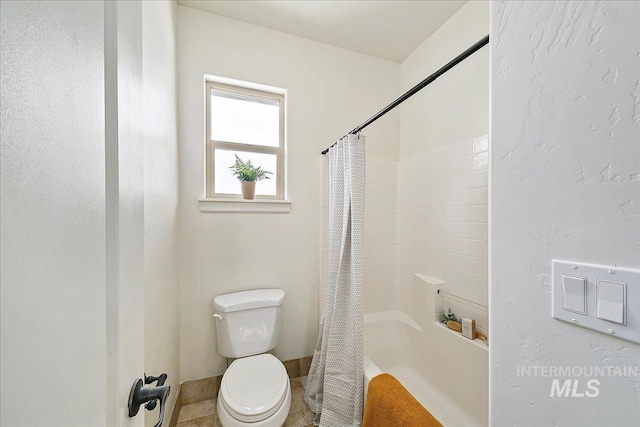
(53, 214)
(442, 204)
(380, 226)
(455, 107)
(162, 279)
(442, 224)
(329, 91)
(565, 159)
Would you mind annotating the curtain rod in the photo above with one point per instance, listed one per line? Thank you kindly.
(449, 65)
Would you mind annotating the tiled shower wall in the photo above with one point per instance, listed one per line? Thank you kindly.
(442, 225)
(380, 235)
(427, 215)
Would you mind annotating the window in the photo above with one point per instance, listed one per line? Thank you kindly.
(250, 124)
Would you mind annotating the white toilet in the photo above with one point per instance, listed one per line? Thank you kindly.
(255, 389)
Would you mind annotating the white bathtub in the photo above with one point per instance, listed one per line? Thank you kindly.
(437, 372)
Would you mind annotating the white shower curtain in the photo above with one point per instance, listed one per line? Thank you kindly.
(334, 390)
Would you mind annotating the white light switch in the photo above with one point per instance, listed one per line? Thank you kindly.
(603, 298)
(611, 301)
(574, 290)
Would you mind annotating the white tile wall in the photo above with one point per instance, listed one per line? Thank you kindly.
(380, 287)
(442, 225)
(426, 215)
(380, 235)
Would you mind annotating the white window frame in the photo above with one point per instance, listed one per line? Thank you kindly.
(212, 145)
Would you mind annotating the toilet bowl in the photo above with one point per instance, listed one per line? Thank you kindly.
(255, 389)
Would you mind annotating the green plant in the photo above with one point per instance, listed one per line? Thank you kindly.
(445, 317)
(245, 171)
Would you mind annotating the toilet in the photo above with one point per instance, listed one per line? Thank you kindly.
(255, 389)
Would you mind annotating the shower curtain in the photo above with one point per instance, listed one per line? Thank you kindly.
(334, 390)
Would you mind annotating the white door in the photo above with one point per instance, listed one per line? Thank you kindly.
(72, 253)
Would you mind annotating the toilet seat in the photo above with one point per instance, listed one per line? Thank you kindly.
(254, 388)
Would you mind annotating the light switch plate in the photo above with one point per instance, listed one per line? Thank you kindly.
(593, 273)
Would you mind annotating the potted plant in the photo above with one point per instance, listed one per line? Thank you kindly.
(248, 175)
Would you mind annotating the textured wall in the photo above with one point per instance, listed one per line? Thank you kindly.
(162, 279)
(565, 163)
(53, 213)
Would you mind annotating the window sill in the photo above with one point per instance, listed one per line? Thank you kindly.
(244, 206)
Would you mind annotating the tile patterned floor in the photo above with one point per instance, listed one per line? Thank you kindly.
(203, 414)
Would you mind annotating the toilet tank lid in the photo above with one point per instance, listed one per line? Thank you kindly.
(246, 300)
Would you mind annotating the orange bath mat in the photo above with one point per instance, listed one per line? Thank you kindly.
(389, 404)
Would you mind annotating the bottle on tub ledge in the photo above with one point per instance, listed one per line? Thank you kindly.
(469, 328)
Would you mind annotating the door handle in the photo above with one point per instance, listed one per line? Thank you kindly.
(140, 395)
(150, 380)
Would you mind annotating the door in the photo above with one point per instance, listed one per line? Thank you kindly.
(71, 212)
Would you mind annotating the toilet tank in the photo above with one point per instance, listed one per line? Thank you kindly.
(248, 322)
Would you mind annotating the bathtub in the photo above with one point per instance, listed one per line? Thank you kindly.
(440, 375)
